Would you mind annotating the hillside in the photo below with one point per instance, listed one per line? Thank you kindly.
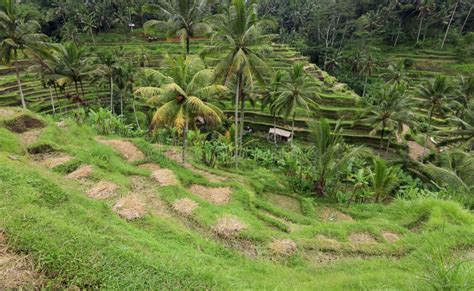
(90, 211)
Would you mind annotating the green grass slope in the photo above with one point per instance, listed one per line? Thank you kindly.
(76, 240)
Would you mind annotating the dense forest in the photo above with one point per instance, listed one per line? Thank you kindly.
(237, 144)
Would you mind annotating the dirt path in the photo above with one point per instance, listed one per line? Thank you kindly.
(17, 271)
(415, 151)
(127, 149)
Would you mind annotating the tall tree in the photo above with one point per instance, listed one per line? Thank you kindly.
(435, 96)
(182, 94)
(17, 33)
(239, 33)
(390, 111)
(298, 91)
(450, 22)
(425, 7)
(184, 19)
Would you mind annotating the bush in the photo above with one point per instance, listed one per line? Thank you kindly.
(107, 123)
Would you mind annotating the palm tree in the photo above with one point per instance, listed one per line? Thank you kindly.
(238, 33)
(182, 94)
(16, 34)
(435, 94)
(396, 74)
(465, 95)
(106, 67)
(271, 93)
(330, 154)
(389, 113)
(450, 22)
(89, 26)
(425, 7)
(73, 65)
(383, 180)
(185, 19)
(298, 90)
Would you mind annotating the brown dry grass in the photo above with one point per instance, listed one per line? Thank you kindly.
(333, 215)
(150, 166)
(146, 189)
(328, 243)
(29, 137)
(218, 196)
(52, 160)
(130, 207)
(285, 202)
(184, 206)
(229, 227)
(127, 149)
(283, 247)
(390, 236)
(16, 271)
(362, 237)
(103, 190)
(165, 177)
(415, 151)
(81, 173)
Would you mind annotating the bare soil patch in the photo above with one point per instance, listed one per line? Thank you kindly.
(177, 157)
(332, 215)
(29, 137)
(390, 236)
(102, 190)
(130, 207)
(17, 271)
(52, 160)
(146, 189)
(328, 243)
(127, 149)
(6, 112)
(283, 247)
(218, 196)
(362, 237)
(285, 202)
(165, 177)
(229, 227)
(185, 206)
(209, 176)
(23, 124)
(81, 173)
(150, 166)
(415, 151)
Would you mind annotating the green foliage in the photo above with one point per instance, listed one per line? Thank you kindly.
(107, 123)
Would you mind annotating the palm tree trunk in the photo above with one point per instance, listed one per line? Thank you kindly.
(274, 128)
(293, 127)
(428, 131)
(121, 103)
(18, 80)
(467, 18)
(242, 119)
(187, 44)
(381, 137)
(185, 138)
(135, 113)
(419, 29)
(57, 98)
(398, 32)
(52, 98)
(111, 94)
(365, 84)
(449, 24)
(388, 147)
(236, 117)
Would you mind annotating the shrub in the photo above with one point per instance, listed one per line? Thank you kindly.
(106, 123)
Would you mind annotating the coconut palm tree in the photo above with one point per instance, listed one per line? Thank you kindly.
(74, 65)
(389, 112)
(17, 33)
(182, 94)
(383, 180)
(330, 154)
(425, 8)
(271, 93)
(185, 19)
(238, 32)
(298, 91)
(465, 95)
(435, 96)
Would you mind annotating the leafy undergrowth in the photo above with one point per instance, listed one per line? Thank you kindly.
(246, 241)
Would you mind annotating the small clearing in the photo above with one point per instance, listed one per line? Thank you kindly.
(332, 215)
(218, 196)
(165, 177)
(362, 237)
(416, 151)
(103, 190)
(17, 271)
(146, 189)
(229, 227)
(52, 160)
(130, 207)
(23, 124)
(390, 236)
(127, 149)
(285, 202)
(81, 173)
(283, 247)
(184, 206)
